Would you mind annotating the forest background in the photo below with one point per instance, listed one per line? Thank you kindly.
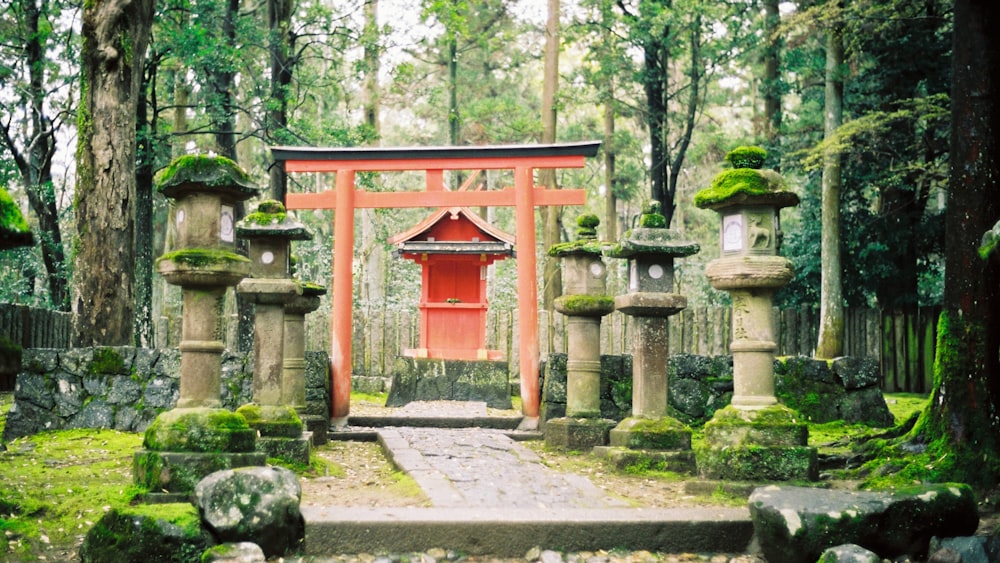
(852, 99)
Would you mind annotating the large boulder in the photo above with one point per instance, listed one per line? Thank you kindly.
(796, 524)
(253, 504)
(171, 533)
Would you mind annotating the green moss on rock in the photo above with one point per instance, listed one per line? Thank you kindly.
(106, 361)
(203, 257)
(200, 173)
(160, 532)
(746, 157)
(199, 430)
(585, 305)
(276, 421)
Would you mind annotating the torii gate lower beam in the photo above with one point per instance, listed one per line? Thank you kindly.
(346, 162)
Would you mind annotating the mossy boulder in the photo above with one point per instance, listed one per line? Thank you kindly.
(200, 430)
(156, 532)
(195, 173)
(664, 433)
(14, 229)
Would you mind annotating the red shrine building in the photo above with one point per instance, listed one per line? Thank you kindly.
(454, 247)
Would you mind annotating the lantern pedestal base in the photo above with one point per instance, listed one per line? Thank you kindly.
(577, 433)
(765, 444)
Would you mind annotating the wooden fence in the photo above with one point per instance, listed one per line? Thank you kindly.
(29, 327)
(903, 342)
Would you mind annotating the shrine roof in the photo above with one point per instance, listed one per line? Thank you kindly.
(586, 149)
(404, 240)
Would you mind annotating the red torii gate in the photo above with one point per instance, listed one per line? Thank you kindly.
(345, 198)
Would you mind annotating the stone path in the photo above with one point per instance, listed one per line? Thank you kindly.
(475, 467)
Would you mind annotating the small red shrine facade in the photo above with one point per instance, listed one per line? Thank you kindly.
(454, 247)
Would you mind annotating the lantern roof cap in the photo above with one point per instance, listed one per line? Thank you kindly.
(746, 184)
(652, 241)
(272, 221)
(202, 173)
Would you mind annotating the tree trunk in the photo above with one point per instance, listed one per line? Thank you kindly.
(115, 34)
(772, 85)
(552, 276)
(610, 202)
(963, 410)
(372, 255)
(831, 309)
(279, 15)
(144, 335)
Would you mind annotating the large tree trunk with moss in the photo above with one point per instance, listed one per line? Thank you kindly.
(115, 34)
(831, 307)
(962, 422)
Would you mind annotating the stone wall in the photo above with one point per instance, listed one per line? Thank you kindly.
(124, 388)
(843, 389)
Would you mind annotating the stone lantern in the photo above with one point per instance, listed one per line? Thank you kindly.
(650, 250)
(199, 437)
(754, 438)
(584, 302)
(293, 372)
(270, 287)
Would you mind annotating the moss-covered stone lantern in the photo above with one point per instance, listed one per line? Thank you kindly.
(754, 438)
(650, 250)
(199, 437)
(584, 302)
(293, 373)
(270, 231)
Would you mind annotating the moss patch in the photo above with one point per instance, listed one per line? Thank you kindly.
(162, 532)
(199, 430)
(585, 305)
(203, 257)
(272, 420)
(14, 229)
(106, 361)
(201, 172)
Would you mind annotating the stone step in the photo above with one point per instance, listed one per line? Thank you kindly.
(503, 532)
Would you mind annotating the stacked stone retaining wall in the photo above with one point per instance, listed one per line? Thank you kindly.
(124, 388)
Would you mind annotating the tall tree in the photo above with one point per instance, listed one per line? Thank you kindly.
(115, 35)
(552, 277)
(36, 78)
(772, 78)
(281, 46)
(831, 309)
(961, 423)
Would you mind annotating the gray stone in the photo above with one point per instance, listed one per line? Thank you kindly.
(31, 388)
(259, 504)
(40, 360)
(807, 368)
(856, 372)
(76, 360)
(690, 366)
(796, 524)
(168, 364)
(242, 552)
(161, 392)
(970, 549)
(95, 414)
(124, 390)
(554, 382)
(96, 385)
(419, 379)
(69, 394)
(550, 556)
(144, 359)
(849, 553)
(866, 406)
(689, 396)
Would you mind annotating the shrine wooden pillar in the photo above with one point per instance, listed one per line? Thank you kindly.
(527, 289)
(343, 290)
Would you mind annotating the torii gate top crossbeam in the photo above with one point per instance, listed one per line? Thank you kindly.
(345, 198)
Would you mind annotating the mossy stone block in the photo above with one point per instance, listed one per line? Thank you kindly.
(758, 463)
(200, 430)
(651, 434)
(295, 450)
(179, 472)
(577, 433)
(272, 420)
(772, 426)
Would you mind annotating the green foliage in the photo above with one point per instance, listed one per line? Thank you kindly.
(14, 230)
(991, 239)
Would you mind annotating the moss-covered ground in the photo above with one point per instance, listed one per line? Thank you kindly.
(54, 486)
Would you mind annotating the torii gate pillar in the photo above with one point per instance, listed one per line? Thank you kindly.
(345, 162)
